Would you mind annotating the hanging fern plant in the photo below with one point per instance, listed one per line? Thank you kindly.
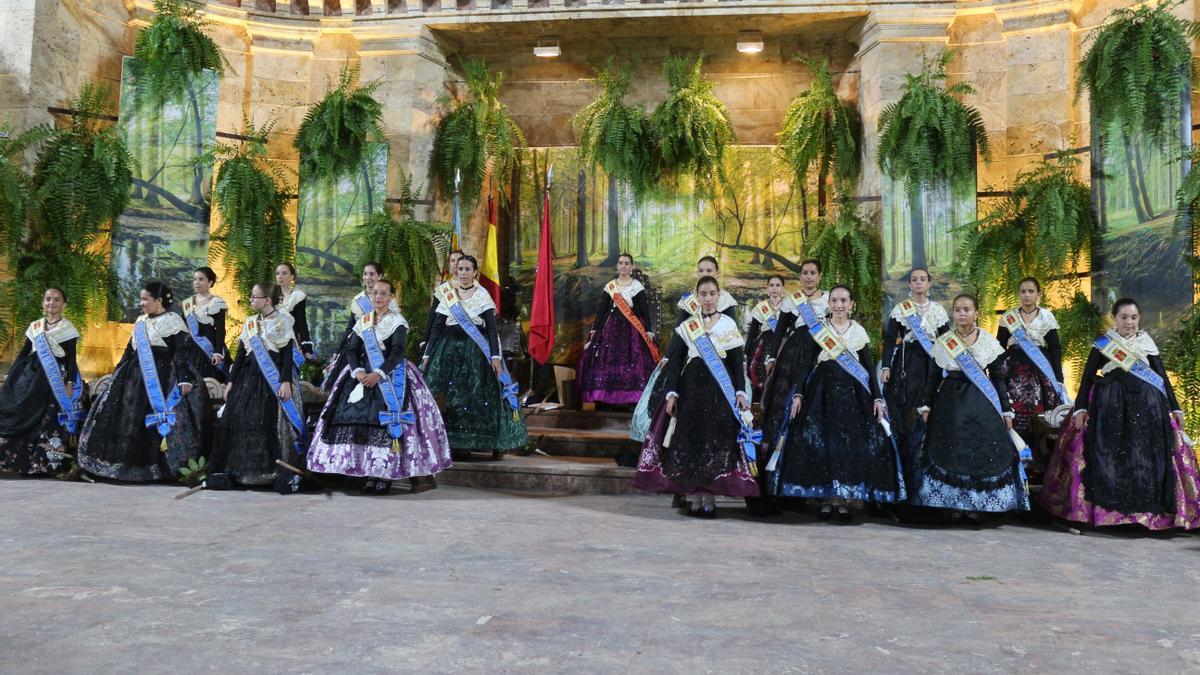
(80, 184)
(15, 199)
(254, 235)
(615, 135)
(1043, 229)
(335, 132)
(692, 126)
(174, 49)
(1079, 323)
(822, 131)
(475, 131)
(407, 249)
(929, 136)
(850, 252)
(1136, 70)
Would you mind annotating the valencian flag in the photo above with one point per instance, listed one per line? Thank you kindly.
(489, 267)
(541, 316)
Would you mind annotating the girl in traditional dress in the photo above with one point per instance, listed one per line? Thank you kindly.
(837, 447)
(770, 321)
(350, 438)
(777, 398)
(906, 356)
(453, 281)
(1033, 362)
(262, 419)
(295, 303)
(968, 461)
(620, 352)
(149, 421)
(360, 304)
(1122, 460)
(462, 364)
(204, 314)
(697, 443)
(688, 306)
(40, 398)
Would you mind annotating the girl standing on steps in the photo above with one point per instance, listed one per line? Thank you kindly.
(770, 321)
(968, 462)
(620, 352)
(295, 303)
(462, 365)
(360, 304)
(40, 400)
(699, 441)
(352, 437)
(687, 306)
(263, 417)
(812, 305)
(908, 338)
(1033, 361)
(205, 314)
(1123, 459)
(149, 421)
(837, 448)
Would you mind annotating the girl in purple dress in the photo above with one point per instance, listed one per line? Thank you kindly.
(350, 439)
(620, 352)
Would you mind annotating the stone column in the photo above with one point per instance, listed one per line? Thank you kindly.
(411, 69)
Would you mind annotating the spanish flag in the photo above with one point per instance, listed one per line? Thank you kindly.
(489, 267)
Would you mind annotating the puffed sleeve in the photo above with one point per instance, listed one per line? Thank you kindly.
(395, 352)
(491, 333)
(1156, 365)
(1054, 353)
(69, 361)
(893, 333)
(300, 327)
(676, 358)
(1003, 336)
(219, 332)
(1094, 362)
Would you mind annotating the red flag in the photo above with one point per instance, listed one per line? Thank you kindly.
(541, 316)
(489, 268)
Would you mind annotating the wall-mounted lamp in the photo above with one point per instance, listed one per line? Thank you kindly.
(547, 47)
(750, 41)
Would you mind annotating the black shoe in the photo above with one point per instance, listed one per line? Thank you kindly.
(382, 487)
(843, 514)
(696, 508)
(368, 487)
(973, 519)
(825, 513)
(708, 512)
(679, 502)
(956, 518)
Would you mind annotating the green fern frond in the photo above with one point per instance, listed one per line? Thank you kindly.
(850, 251)
(691, 127)
(335, 132)
(174, 50)
(474, 131)
(1137, 69)
(821, 131)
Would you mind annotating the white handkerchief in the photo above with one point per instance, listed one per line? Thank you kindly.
(357, 394)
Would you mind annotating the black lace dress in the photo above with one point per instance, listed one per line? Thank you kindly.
(835, 447)
(116, 443)
(908, 363)
(32, 442)
(778, 390)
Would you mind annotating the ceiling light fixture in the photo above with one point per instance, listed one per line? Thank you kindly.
(750, 41)
(547, 47)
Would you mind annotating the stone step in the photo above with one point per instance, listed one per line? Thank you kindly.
(540, 474)
(582, 442)
(577, 419)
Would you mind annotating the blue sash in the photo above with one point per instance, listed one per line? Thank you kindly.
(1130, 363)
(809, 316)
(508, 388)
(912, 319)
(393, 390)
(748, 436)
(832, 345)
(1017, 328)
(271, 375)
(766, 314)
(363, 303)
(202, 342)
(163, 417)
(68, 408)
